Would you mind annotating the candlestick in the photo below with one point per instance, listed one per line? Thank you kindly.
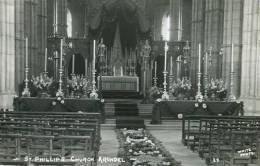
(165, 56)
(61, 52)
(206, 76)
(26, 91)
(26, 52)
(199, 96)
(93, 94)
(155, 68)
(232, 97)
(199, 63)
(165, 95)
(60, 92)
(232, 58)
(73, 64)
(45, 61)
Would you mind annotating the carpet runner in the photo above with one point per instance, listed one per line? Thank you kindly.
(127, 116)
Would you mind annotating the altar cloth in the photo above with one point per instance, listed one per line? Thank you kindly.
(174, 109)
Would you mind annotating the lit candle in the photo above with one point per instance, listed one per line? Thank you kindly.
(26, 52)
(199, 57)
(73, 63)
(165, 56)
(121, 68)
(155, 69)
(61, 52)
(232, 58)
(94, 54)
(45, 60)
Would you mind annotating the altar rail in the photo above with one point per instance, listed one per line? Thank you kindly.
(225, 140)
(48, 135)
(178, 109)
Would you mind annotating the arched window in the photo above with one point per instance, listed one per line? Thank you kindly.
(166, 27)
(69, 23)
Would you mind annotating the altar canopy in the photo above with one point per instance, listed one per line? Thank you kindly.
(127, 14)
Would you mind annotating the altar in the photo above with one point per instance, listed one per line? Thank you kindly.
(118, 83)
(178, 109)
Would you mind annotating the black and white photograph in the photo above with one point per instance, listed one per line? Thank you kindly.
(129, 82)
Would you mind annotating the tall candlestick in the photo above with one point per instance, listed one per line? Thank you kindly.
(232, 57)
(199, 58)
(26, 52)
(155, 69)
(94, 55)
(94, 94)
(165, 95)
(171, 66)
(61, 52)
(73, 63)
(45, 60)
(26, 91)
(165, 56)
(199, 96)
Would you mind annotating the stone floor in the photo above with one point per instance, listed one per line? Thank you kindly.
(171, 139)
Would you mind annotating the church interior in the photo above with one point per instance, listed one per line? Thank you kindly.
(130, 82)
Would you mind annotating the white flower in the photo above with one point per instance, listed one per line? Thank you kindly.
(59, 98)
(204, 105)
(180, 116)
(102, 100)
(196, 104)
(159, 100)
(62, 101)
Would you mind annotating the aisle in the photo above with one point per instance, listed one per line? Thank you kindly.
(171, 139)
(109, 147)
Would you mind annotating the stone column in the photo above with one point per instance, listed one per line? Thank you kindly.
(232, 33)
(176, 20)
(250, 74)
(214, 12)
(7, 53)
(19, 43)
(198, 8)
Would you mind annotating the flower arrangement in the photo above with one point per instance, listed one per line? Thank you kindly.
(216, 89)
(42, 82)
(140, 148)
(155, 92)
(78, 85)
(181, 88)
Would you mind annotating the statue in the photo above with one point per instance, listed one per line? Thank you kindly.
(146, 73)
(101, 52)
(146, 50)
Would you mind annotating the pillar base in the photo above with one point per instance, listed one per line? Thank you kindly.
(7, 100)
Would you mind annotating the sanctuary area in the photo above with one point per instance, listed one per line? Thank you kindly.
(130, 82)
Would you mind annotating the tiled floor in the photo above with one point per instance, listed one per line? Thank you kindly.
(171, 139)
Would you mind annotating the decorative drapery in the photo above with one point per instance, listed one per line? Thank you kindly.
(127, 13)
